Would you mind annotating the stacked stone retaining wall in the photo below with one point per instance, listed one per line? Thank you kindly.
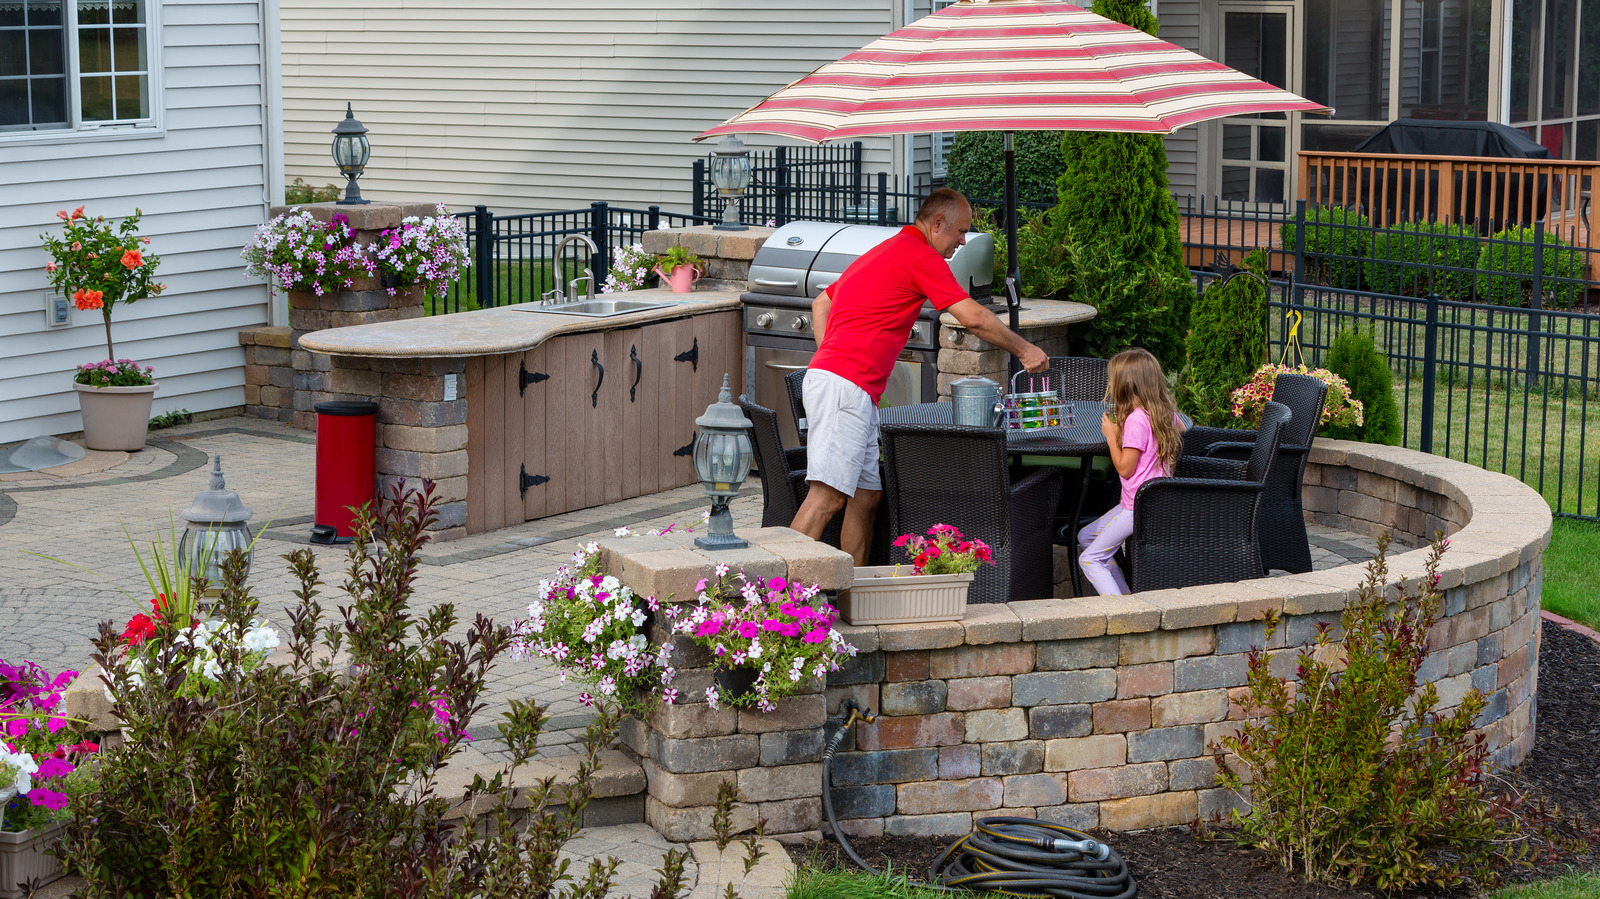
(1097, 712)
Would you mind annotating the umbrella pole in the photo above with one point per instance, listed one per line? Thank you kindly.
(1013, 285)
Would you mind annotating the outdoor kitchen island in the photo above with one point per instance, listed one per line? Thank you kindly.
(517, 414)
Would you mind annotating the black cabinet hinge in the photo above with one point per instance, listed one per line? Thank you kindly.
(529, 377)
(688, 448)
(690, 355)
(530, 480)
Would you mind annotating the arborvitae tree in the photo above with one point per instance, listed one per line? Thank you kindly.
(1114, 189)
(1354, 356)
(1227, 343)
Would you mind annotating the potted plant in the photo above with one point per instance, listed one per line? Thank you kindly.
(679, 268)
(41, 755)
(98, 267)
(767, 637)
(944, 563)
(429, 252)
(1340, 409)
(592, 628)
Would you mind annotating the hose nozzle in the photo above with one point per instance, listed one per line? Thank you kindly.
(1093, 848)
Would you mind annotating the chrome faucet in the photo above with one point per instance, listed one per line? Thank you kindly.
(555, 294)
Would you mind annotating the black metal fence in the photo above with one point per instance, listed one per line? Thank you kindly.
(1496, 360)
(829, 184)
(514, 257)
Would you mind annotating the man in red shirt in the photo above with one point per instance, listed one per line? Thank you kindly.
(862, 323)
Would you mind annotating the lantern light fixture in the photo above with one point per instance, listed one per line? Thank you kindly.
(214, 526)
(351, 152)
(730, 172)
(722, 459)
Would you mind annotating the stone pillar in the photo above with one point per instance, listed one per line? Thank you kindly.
(727, 254)
(688, 749)
(268, 374)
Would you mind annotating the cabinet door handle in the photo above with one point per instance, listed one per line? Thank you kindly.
(638, 370)
(594, 398)
(781, 367)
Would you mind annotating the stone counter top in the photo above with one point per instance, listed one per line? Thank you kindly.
(507, 329)
(1037, 314)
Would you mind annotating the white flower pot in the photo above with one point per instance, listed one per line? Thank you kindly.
(878, 597)
(115, 418)
(22, 858)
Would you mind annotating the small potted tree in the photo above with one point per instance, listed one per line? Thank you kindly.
(98, 267)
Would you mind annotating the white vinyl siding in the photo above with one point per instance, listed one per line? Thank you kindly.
(203, 185)
(1180, 25)
(525, 105)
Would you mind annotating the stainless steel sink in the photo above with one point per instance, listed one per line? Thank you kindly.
(594, 308)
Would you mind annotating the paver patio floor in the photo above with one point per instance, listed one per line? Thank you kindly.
(50, 611)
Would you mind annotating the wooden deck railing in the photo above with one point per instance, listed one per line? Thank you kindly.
(1494, 193)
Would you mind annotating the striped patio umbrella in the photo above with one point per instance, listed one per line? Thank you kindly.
(1011, 65)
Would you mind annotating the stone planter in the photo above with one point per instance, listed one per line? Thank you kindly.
(115, 418)
(878, 597)
(23, 858)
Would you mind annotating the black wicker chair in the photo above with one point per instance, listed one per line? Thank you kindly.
(1078, 377)
(959, 475)
(794, 383)
(1200, 526)
(1281, 523)
(783, 472)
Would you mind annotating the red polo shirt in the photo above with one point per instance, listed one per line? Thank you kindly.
(875, 303)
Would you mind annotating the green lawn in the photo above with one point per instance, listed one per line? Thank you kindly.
(518, 282)
(1572, 572)
(1570, 886)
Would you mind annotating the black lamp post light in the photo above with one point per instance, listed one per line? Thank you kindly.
(351, 152)
(722, 459)
(730, 172)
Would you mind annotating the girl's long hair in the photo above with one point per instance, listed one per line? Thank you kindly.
(1134, 378)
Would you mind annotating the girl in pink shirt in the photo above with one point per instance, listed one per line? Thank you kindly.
(1145, 436)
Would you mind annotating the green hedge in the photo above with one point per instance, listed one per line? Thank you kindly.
(1227, 343)
(977, 162)
(1354, 356)
(1413, 259)
(1331, 231)
(1512, 251)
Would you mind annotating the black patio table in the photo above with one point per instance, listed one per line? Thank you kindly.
(1081, 439)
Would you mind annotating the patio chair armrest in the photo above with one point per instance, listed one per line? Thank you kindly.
(1211, 468)
(796, 456)
(1197, 441)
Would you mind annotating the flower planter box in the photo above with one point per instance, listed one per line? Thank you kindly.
(878, 597)
(22, 858)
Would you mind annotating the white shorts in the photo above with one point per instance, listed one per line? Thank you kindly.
(841, 434)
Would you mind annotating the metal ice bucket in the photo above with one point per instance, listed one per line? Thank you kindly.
(976, 402)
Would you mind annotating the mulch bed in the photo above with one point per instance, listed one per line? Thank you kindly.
(1172, 863)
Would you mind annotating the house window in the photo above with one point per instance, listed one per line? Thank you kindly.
(70, 64)
(1430, 77)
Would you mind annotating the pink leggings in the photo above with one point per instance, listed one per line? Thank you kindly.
(1097, 545)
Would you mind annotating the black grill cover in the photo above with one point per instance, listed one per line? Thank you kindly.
(1510, 200)
(1425, 137)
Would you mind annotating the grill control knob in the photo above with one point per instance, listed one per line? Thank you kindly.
(764, 320)
(800, 323)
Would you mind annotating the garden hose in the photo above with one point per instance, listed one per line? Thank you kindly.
(1014, 856)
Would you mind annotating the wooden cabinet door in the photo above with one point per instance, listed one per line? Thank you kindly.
(622, 408)
(533, 475)
(679, 407)
(574, 424)
(494, 442)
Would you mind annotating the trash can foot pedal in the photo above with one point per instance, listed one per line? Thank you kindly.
(327, 535)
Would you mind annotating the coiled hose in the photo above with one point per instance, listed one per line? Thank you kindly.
(1016, 856)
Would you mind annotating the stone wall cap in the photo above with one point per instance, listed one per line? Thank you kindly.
(504, 329)
(1038, 314)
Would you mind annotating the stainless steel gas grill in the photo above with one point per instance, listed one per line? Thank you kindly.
(802, 259)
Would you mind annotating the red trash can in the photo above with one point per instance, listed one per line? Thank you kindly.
(347, 446)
